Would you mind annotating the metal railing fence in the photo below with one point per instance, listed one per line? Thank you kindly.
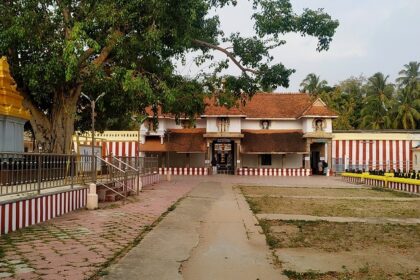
(34, 172)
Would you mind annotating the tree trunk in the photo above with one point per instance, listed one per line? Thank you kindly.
(54, 132)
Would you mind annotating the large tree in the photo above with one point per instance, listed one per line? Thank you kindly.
(313, 84)
(128, 48)
(407, 104)
(376, 111)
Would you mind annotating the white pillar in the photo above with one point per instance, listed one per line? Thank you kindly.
(92, 198)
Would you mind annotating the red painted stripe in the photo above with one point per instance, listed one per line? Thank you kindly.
(336, 149)
(411, 155)
(103, 149)
(34, 220)
(350, 151)
(384, 147)
(3, 219)
(123, 149)
(377, 154)
(391, 154)
(404, 155)
(41, 208)
(397, 159)
(117, 149)
(18, 215)
(344, 148)
(364, 152)
(24, 213)
(357, 151)
(56, 204)
(47, 208)
(370, 154)
(9, 226)
(130, 149)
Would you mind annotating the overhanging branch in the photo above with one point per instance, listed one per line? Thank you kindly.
(227, 53)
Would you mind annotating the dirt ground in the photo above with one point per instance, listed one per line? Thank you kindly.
(331, 192)
(327, 250)
(336, 207)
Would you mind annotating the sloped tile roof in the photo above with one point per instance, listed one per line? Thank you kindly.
(266, 106)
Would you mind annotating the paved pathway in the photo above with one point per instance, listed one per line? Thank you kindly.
(211, 234)
(75, 245)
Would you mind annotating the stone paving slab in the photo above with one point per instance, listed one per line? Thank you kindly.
(370, 220)
(76, 245)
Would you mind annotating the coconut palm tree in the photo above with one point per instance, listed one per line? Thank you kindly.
(376, 111)
(406, 110)
(313, 84)
(410, 75)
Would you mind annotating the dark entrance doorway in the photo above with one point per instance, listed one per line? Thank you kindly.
(223, 150)
(316, 153)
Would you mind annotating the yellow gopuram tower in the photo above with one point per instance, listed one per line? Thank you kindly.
(12, 114)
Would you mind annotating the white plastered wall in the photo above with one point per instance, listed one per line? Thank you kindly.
(274, 124)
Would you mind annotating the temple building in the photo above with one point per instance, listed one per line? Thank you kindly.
(279, 131)
(272, 135)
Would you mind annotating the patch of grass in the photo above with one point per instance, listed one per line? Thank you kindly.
(253, 205)
(334, 237)
(334, 192)
(393, 192)
(335, 207)
(271, 240)
(172, 207)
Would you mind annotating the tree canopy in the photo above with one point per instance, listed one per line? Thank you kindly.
(375, 103)
(127, 49)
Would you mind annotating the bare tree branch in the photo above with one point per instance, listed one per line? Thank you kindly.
(66, 17)
(227, 53)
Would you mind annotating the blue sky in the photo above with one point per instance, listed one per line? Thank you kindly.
(374, 35)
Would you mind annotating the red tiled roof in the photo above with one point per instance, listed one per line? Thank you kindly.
(273, 141)
(318, 108)
(266, 106)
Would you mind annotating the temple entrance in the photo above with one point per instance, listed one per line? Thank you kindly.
(317, 155)
(223, 154)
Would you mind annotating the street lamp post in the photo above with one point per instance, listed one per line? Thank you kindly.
(92, 105)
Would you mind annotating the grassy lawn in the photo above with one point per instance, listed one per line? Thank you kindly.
(332, 192)
(336, 207)
(335, 237)
(322, 250)
(344, 237)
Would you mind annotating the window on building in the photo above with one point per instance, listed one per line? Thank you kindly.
(265, 124)
(265, 159)
(223, 124)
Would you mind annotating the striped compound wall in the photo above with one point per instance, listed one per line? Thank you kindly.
(376, 154)
(150, 179)
(191, 171)
(273, 172)
(19, 214)
(406, 185)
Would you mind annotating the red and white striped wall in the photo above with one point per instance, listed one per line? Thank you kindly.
(376, 154)
(116, 148)
(19, 214)
(150, 179)
(191, 171)
(404, 187)
(274, 172)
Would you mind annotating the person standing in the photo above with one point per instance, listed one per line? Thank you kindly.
(214, 164)
(320, 168)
